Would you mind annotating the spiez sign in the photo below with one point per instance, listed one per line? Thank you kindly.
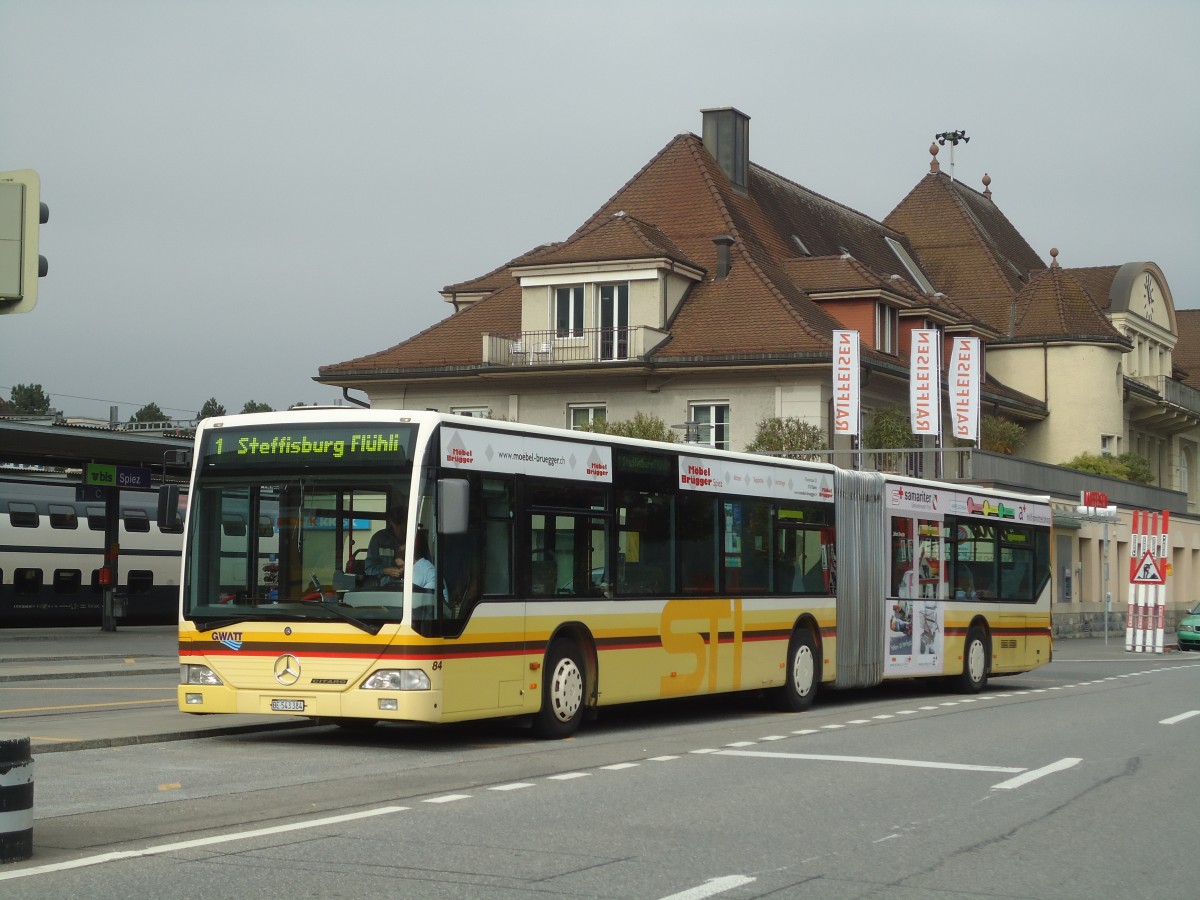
(99, 475)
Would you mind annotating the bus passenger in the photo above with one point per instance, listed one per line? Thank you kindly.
(424, 576)
(385, 552)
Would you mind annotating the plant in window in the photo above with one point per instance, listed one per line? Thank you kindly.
(644, 426)
(786, 435)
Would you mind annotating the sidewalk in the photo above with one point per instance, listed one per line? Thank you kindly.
(49, 659)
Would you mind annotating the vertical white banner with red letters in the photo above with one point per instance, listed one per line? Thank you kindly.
(847, 401)
(966, 376)
(925, 383)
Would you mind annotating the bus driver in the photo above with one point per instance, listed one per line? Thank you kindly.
(385, 552)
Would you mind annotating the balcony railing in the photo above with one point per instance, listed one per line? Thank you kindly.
(583, 345)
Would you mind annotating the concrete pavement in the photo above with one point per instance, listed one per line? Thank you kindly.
(63, 716)
(49, 660)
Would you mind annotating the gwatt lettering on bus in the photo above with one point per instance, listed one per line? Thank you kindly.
(288, 445)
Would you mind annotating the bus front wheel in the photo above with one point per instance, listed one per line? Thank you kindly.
(975, 662)
(562, 692)
(803, 673)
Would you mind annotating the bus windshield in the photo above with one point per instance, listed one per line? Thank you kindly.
(281, 520)
(290, 548)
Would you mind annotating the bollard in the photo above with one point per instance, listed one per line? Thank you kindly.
(16, 800)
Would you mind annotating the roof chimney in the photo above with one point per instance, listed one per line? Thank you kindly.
(727, 139)
(724, 263)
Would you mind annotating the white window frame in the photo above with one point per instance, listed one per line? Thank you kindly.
(576, 310)
(713, 429)
(590, 409)
(887, 328)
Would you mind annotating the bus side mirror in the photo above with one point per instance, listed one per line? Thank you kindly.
(169, 520)
(454, 503)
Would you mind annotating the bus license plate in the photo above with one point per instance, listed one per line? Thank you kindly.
(287, 705)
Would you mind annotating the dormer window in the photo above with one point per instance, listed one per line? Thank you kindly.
(568, 311)
(887, 328)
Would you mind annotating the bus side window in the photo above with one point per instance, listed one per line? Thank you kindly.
(697, 529)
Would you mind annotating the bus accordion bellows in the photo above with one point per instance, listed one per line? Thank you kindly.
(544, 573)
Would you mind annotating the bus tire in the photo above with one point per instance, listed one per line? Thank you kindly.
(975, 662)
(802, 675)
(562, 692)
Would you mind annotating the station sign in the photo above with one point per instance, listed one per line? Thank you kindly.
(98, 475)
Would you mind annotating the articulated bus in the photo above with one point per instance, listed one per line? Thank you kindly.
(554, 572)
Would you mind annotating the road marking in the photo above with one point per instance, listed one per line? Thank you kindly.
(1179, 718)
(874, 760)
(198, 842)
(515, 786)
(35, 709)
(1013, 783)
(567, 776)
(712, 887)
(616, 767)
(448, 798)
(175, 786)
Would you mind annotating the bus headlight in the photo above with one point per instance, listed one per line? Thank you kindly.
(198, 675)
(397, 680)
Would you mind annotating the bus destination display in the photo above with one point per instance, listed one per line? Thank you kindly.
(326, 446)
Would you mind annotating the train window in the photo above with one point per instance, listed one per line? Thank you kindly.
(22, 515)
(67, 581)
(141, 581)
(136, 520)
(95, 517)
(62, 516)
(265, 527)
(233, 524)
(27, 581)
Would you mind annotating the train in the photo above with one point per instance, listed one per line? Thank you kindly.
(52, 548)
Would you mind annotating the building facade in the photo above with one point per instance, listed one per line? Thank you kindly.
(706, 290)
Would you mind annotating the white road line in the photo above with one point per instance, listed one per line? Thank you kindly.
(567, 776)
(448, 798)
(1013, 783)
(198, 842)
(515, 786)
(711, 888)
(874, 760)
(1179, 718)
(616, 767)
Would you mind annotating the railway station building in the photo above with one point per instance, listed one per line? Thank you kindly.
(706, 291)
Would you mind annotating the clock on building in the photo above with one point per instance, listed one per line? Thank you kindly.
(1150, 295)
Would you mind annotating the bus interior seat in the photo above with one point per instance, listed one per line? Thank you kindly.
(543, 577)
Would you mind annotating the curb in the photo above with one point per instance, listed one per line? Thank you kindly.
(129, 740)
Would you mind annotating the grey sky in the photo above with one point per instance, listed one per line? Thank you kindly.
(241, 192)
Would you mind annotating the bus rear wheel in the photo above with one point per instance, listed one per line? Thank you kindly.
(803, 674)
(562, 692)
(975, 662)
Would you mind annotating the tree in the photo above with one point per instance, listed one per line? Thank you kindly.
(253, 406)
(1127, 466)
(149, 413)
(642, 425)
(1000, 435)
(30, 400)
(889, 429)
(210, 409)
(790, 435)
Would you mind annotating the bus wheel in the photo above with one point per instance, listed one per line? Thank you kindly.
(562, 692)
(975, 662)
(803, 673)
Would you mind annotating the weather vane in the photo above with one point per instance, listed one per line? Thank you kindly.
(953, 137)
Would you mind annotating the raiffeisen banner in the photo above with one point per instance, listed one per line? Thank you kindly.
(846, 396)
(966, 375)
(925, 383)
(497, 451)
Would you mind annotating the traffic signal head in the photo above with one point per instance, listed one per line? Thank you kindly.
(21, 212)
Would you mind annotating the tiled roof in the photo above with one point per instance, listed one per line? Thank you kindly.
(1055, 306)
(969, 248)
(1097, 281)
(618, 238)
(1187, 352)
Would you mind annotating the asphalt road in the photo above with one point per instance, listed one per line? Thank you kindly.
(1062, 783)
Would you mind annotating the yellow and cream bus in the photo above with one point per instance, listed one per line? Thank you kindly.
(554, 572)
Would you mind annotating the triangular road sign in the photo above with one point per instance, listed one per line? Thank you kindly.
(1148, 571)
